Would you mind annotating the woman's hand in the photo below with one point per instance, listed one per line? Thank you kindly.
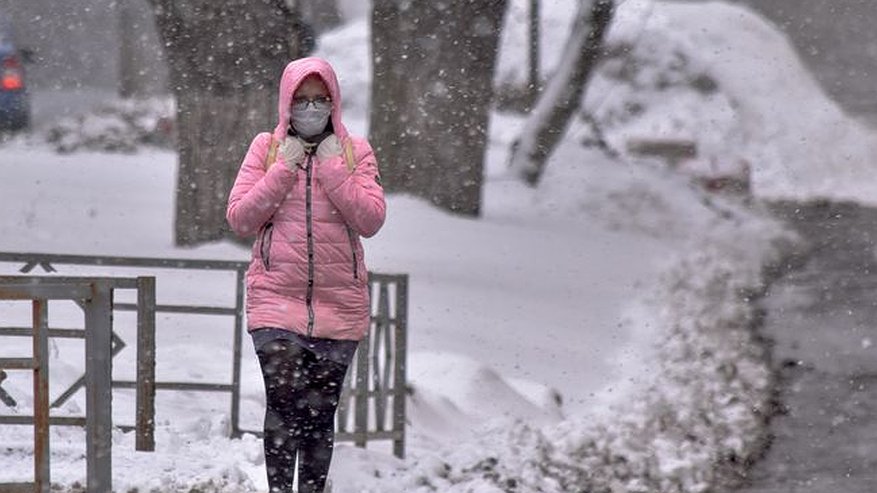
(292, 151)
(328, 148)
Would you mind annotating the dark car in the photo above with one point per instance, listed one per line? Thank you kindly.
(14, 103)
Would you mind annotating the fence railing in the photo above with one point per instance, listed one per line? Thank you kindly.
(373, 401)
(95, 296)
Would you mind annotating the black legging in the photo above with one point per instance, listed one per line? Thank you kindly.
(302, 394)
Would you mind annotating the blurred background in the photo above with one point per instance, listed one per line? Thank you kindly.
(78, 46)
(698, 133)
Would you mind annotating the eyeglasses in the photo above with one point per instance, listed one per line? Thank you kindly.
(319, 102)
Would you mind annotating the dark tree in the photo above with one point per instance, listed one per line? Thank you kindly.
(433, 64)
(127, 51)
(225, 61)
(142, 69)
(533, 45)
(562, 96)
(322, 15)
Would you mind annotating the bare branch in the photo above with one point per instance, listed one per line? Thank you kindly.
(550, 118)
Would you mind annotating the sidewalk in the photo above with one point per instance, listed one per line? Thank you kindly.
(823, 321)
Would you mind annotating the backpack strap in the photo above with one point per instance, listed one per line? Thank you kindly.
(272, 153)
(348, 155)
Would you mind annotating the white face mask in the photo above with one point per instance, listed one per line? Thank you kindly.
(310, 121)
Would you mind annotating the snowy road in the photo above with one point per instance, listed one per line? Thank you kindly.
(822, 319)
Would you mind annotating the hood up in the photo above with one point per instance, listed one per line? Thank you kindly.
(297, 71)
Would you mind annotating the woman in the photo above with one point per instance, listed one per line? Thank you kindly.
(308, 191)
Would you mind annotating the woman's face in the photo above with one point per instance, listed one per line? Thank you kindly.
(311, 89)
(311, 107)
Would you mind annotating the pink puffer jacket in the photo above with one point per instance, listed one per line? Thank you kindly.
(307, 272)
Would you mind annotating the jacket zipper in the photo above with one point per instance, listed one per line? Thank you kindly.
(265, 245)
(353, 252)
(309, 297)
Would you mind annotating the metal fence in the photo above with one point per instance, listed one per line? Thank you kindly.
(373, 401)
(95, 296)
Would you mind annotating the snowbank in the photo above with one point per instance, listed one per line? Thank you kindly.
(116, 126)
(688, 426)
(717, 74)
(726, 78)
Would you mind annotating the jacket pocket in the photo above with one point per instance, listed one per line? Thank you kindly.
(265, 245)
(352, 239)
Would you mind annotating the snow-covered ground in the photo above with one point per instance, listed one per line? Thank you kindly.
(617, 286)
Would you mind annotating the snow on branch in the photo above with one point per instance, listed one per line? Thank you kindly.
(549, 119)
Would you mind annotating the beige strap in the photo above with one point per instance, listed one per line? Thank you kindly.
(348, 155)
(272, 153)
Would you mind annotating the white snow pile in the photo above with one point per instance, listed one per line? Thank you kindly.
(727, 79)
(703, 417)
(721, 76)
(121, 125)
(693, 428)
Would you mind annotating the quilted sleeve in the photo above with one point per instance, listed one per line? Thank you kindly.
(256, 194)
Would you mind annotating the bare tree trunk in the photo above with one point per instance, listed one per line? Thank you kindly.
(142, 69)
(432, 87)
(549, 119)
(533, 43)
(322, 15)
(127, 69)
(225, 62)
